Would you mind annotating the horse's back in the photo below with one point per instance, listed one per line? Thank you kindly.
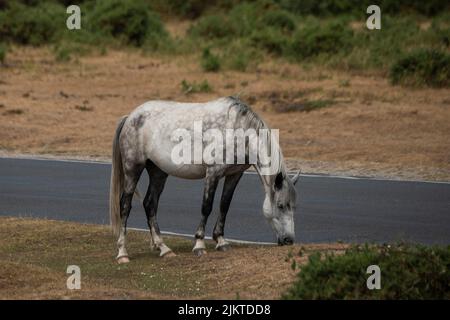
(149, 131)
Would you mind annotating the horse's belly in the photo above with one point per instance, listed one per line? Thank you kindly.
(186, 171)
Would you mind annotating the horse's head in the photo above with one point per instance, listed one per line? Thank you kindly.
(279, 207)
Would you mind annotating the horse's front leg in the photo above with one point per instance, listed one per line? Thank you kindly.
(227, 195)
(211, 182)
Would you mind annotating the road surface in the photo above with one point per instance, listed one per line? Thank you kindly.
(329, 209)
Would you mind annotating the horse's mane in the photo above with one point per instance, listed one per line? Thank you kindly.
(252, 120)
(244, 112)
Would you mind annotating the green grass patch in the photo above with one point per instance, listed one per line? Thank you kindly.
(194, 87)
(407, 272)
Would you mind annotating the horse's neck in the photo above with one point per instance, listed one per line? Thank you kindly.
(276, 159)
(268, 180)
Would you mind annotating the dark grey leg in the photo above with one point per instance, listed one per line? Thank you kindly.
(227, 195)
(211, 182)
(156, 185)
(130, 181)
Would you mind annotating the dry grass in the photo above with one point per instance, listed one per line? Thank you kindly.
(34, 255)
(370, 128)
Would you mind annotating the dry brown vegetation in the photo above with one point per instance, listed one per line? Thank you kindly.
(366, 127)
(34, 255)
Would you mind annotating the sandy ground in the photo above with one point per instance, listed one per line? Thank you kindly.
(34, 255)
(371, 128)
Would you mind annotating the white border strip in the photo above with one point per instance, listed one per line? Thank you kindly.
(185, 235)
(103, 162)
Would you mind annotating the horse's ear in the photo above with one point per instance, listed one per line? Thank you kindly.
(295, 178)
(279, 181)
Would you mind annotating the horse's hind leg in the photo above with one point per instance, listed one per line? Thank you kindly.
(227, 194)
(131, 178)
(157, 179)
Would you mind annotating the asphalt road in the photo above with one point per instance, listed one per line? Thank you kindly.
(330, 209)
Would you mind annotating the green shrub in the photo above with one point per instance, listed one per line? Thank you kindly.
(194, 87)
(129, 20)
(62, 54)
(3, 50)
(422, 67)
(186, 8)
(210, 62)
(32, 25)
(358, 7)
(240, 55)
(279, 19)
(407, 272)
(270, 40)
(318, 39)
(240, 61)
(245, 16)
(212, 27)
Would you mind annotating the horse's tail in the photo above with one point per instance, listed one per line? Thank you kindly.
(117, 177)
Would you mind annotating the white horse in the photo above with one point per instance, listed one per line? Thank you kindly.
(145, 140)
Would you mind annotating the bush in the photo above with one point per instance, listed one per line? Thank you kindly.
(317, 39)
(32, 25)
(186, 8)
(422, 67)
(407, 272)
(3, 50)
(194, 87)
(279, 19)
(212, 27)
(240, 61)
(358, 7)
(270, 40)
(210, 62)
(129, 20)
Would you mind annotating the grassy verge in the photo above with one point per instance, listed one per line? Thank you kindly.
(34, 255)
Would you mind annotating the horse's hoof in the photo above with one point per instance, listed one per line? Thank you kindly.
(223, 247)
(199, 252)
(123, 260)
(169, 254)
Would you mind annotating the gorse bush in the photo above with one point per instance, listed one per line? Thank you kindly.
(36, 25)
(318, 39)
(212, 27)
(407, 272)
(194, 87)
(44, 22)
(129, 20)
(270, 40)
(357, 7)
(279, 19)
(3, 50)
(210, 62)
(422, 67)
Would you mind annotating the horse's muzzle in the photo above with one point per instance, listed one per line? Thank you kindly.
(285, 241)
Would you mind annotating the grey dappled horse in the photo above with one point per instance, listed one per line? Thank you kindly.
(144, 140)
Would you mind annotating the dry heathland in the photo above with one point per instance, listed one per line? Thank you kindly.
(357, 125)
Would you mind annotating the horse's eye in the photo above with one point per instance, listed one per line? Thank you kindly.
(280, 206)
